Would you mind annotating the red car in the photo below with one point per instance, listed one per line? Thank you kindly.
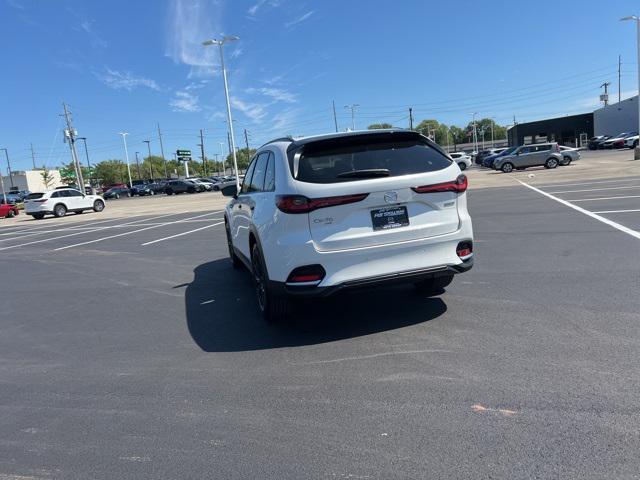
(8, 210)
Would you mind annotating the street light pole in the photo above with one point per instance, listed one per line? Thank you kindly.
(148, 142)
(6, 152)
(138, 165)
(636, 153)
(353, 107)
(4, 195)
(220, 43)
(224, 168)
(126, 154)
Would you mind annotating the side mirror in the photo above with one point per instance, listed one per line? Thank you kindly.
(230, 190)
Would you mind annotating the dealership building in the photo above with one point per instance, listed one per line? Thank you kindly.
(31, 180)
(575, 130)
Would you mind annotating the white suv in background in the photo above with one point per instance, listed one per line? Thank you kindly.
(332, 212)
(462, 159)
(59, 202)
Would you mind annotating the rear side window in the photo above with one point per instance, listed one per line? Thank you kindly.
(257, 181)
(34, 196)
(247, 178)
(348, 159)
(56, 194)
(544, 148)
(270, 175)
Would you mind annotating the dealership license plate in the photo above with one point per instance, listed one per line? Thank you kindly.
(390, 217)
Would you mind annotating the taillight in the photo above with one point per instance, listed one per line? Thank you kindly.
(306, 275)
(464, 250)
(42, 200)
(302, 204)
(458, 186)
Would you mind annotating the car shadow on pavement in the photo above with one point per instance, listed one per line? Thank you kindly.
(222, 315)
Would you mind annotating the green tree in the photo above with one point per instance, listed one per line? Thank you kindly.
(243, 156)
(47, 178)
(379, 126)
(111, 171)
(435, 130)
(68, 173)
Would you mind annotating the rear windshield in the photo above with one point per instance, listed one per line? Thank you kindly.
(348, 159)
(34, 196)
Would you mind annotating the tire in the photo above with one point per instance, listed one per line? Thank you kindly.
(128, 194)
(216, 188)
(151, 192)
(117, 196)
(235, 261)
(38, 216)
(191, 190)
(435, 285)
(11, 214)
(635, 145)
(271, 307)
(98, 206)
(169, 191)
(507, 167)
(463, 166)
(552, 162)
(566, 160)
(59, 210)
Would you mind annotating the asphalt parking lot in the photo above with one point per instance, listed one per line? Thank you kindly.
(130, 348)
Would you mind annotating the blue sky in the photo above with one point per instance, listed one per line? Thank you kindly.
(126, 66)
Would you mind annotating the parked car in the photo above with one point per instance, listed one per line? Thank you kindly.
(535, 155)
(8, 210)
(480, 156)
(618, 140)
(327, 213)
(142, 189)
(225, 182)
(116, 192)
(631, 141)
(11, 197)
(462, 159)
(59, 202)
(569, 155)
(113, 185)
(19, 195)
(596, 142)
(206, 185)
(488, 161)
(179, 186)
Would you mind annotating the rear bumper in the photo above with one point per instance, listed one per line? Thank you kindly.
(410, 276)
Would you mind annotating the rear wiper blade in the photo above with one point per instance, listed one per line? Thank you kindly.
(371, 172)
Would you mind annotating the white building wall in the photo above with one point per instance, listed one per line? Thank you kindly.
(616, 118)
(32, 180)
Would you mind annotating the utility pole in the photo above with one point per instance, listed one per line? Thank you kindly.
(148, 142)
(204, 159)
(410, 118)
(605, 97)
(229, 143)
(138, 165)
(126, 155)
(33, 156)
(335, 118)
(475, 132)
(71, 134)
(352, 107)
(217, 164)
(4, 195)
(6, 152)
(166, 174)
(619, 74)
(492, 122)
(246, 140)
(86, 152)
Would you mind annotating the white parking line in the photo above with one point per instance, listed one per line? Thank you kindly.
(595, 189)
(603, 198)
(31, 232)
(181, 234)
(77, 233)
(588, 183)
(595, 216)
(618, 211)
(129, 233)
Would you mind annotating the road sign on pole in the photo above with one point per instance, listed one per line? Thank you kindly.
(184, 159)
(183, 153)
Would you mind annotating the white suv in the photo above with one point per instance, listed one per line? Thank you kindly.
(332, 212)
(462, 159)
(59, 202)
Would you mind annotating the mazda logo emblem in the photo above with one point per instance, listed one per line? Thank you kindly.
(391, 197)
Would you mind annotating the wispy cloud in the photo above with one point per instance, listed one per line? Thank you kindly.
(253, 9)
(192, 22)
(184, 102)
(125, 80)
(86, 25)
(254, 111)
(15, 4)
(236, 52)
(277, 94)
(299, 19)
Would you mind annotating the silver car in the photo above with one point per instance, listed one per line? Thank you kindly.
(568, 155)
(537, 155)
